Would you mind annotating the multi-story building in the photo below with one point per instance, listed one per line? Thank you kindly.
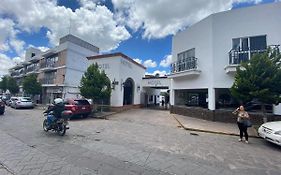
(205, 55)
(59, 69)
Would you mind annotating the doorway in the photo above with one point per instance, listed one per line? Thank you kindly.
(128, 92)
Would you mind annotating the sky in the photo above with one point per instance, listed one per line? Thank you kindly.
(141, 29)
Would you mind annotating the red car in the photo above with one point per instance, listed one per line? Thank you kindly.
(79, 107)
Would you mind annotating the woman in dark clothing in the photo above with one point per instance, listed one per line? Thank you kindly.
(242, 116)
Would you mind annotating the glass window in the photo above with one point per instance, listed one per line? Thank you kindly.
(258, 42)
(245, 46)
(236, 44)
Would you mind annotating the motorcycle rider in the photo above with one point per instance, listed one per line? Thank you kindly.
(57, 108)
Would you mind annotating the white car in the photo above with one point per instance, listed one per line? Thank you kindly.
(271, 132)
(22, 102)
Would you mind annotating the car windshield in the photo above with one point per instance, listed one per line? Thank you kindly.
(81, 102)
(26, 99)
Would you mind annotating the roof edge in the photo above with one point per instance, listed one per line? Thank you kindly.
(114, 55)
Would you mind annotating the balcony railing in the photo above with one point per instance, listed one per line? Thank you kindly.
(31, 69)
(238, 56)
(47, 80)
(183, 65)
(48, 65)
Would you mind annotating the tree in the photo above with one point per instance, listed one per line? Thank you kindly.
(95, 84)
(3, 83)
(259, 79)
(31, 86)
(12, 85)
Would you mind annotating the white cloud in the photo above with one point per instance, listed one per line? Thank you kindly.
(8, 37)
(150, 63)
(161, 18)
(6, 63)
(92, 22)
(166, 62)
(42, 48)
(18, 45)
(138, 60)
(160, 73)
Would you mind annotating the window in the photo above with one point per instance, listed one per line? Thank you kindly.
(236, 44)
(258, 43)
(244, 48)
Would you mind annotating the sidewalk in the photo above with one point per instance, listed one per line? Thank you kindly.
(194, 124)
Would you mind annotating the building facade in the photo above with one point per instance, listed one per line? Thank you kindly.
(205, 55)
(59, 69)
(125, 75)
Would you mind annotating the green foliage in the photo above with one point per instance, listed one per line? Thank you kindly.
(260, 78)
(12, 85)
(31, 86)
(95, 84)
(3, 83)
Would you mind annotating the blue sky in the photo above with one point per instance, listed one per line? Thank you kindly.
(141, 29)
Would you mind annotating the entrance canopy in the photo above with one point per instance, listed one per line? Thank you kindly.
(156, 82)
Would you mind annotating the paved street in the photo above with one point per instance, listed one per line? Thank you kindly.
(134, 142)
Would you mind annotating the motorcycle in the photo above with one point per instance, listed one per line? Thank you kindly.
(60, 125)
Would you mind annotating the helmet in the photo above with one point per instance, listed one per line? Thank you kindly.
(58, 100)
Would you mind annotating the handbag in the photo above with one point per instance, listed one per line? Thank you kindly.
(247, 123)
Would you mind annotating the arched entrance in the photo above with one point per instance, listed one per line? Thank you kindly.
(128, 92)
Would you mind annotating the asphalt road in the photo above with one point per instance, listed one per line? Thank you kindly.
(134, 142)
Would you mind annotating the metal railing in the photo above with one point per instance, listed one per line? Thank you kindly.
(48, 64)
(47, 80)
(238, 56)
(32, 68)
(184, 64)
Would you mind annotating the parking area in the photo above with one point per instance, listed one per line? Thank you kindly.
(139, 141)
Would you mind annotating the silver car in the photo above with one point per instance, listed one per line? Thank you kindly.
(22, 102)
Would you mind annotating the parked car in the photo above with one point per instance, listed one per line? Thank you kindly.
(11, 101)
(271, 131)
(79, 107)
(2, 107)
(22, 102)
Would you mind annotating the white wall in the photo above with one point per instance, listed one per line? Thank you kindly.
(121, 69)
(111, 69)
(277, 109)
(212, 40)
(252, 21)
(136, 73)
(76, 63)
(199, 36)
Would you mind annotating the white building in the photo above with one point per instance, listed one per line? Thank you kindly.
(206, 54)
(125, 75)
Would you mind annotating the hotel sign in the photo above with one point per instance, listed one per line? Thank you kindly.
(154, 82)
(126, 63)
(104, 66)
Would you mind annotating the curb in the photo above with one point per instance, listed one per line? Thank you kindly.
(208, 131)
(104, 116)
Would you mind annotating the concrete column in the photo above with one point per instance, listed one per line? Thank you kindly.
(172, 92)
(211, 99)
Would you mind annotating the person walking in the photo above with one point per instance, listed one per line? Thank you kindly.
(242, 122)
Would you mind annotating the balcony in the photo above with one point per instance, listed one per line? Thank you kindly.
(48, 66)
(236, 57)
(185, 67)
(47, 81)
